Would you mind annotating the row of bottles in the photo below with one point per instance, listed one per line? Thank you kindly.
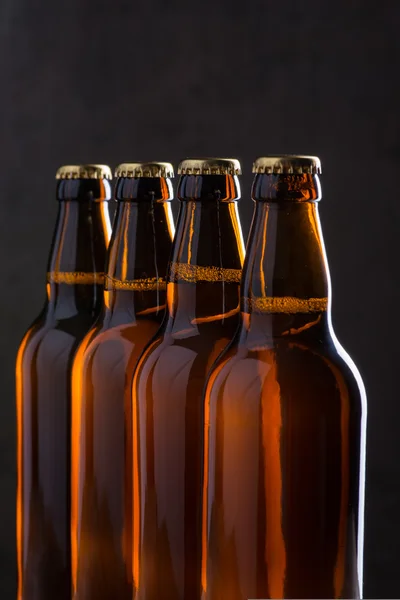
(187, 430)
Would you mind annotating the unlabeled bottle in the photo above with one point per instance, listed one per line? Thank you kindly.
(202, 315)
(134, 304)
(285, 415)
(74, 296)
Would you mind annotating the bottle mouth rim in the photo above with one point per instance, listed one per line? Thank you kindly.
(286, 189)
(210, 200)
(84, 190)
(143, 190)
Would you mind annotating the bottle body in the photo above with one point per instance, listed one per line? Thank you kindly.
(202, 305)
(284, 426)
(285, 420)
(134, 304)
(43, 370)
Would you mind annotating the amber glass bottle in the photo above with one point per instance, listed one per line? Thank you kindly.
(74, 295)
(202, 315)
(285, 416)
(134, 304)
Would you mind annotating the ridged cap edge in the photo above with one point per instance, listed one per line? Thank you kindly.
(84, 172)
(287, 164)
(145, 169)
(210, 166)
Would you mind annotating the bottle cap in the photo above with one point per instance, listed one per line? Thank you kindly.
(145, 169)
(210, 166)
(288, 164)
(84, 172)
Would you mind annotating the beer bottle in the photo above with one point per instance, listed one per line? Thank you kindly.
(285, 415)
(74, 295)
(134, 304)
(202, 315)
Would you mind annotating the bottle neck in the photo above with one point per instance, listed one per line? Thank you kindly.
(138, 257)
(207, 256)
(75, 274)
(286, 278)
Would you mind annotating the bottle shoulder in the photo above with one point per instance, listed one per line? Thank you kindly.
(293, 362)
(168, 371)
(105, 346)
(32, 338)
(47, 346)
(49, 336)
(39, 332)
(171, 356)
(124, 334)
(343, 361)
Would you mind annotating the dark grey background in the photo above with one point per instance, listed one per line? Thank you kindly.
(93, 81)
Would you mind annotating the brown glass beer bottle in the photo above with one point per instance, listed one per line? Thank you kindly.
(134, 304)
(202, 315)
(74, 296)
(285, 415)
